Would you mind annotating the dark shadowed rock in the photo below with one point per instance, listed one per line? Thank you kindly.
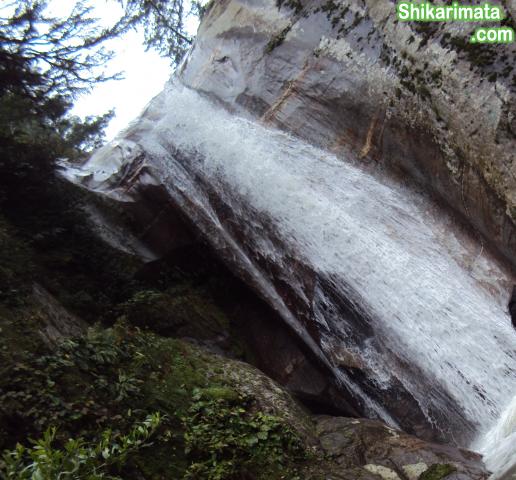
(57, 323)
(512, 307)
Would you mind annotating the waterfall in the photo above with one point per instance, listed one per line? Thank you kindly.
(499, 444)
(378, 268)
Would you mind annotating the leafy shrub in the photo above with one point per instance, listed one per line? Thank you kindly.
(146, 308)
(225, 440)
(78, 459)
(83, 381)
(437, 471)
(103, 380)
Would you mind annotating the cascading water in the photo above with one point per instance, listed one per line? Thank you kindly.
(376, 267)
(499, 444)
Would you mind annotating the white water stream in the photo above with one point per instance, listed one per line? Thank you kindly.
(431, 300)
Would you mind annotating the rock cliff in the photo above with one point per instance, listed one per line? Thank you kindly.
(380, 302)
(412, 98)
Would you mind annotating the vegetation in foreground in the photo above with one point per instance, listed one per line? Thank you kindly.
(121, 401)
(124, 403)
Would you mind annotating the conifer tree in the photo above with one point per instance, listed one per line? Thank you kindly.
(45, 63)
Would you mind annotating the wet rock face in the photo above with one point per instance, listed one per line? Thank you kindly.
(138, 209)
(416, 99)
(295, 69)
(275, 352)
(369, 449)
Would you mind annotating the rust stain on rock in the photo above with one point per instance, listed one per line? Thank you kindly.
(373, 131)
(291, 89)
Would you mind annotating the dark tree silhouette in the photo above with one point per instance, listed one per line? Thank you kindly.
(46, 62)
(163, 23)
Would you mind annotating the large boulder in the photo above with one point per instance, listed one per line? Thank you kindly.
(360, 448)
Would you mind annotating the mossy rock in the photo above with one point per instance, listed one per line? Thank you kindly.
(111, 377)
(220, 393)
(219, 413)
(437, 471)
(277, 40)
(182, 311)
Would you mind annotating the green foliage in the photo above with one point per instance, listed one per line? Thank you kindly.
(163, 22)
(94, 380)
(44, 57)
(94, 351)
(145, 308)
(52, 242)
(34, 133)
(109, 377)
(45, 62)
(77, 459)
(202, 8)
(226, 439)
(437, 471)
(90, 380)
(182, 310)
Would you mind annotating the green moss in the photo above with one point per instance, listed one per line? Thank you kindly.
(278, 39)
(16, 266)
(386, 54)
(52, 243)
(163, 461)
(478, 55)
(409, 85)
(436, 77)
(295, 5)
(19, 328)
(185, 310)
(219, 393)
(437, 471)
(423, 91)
